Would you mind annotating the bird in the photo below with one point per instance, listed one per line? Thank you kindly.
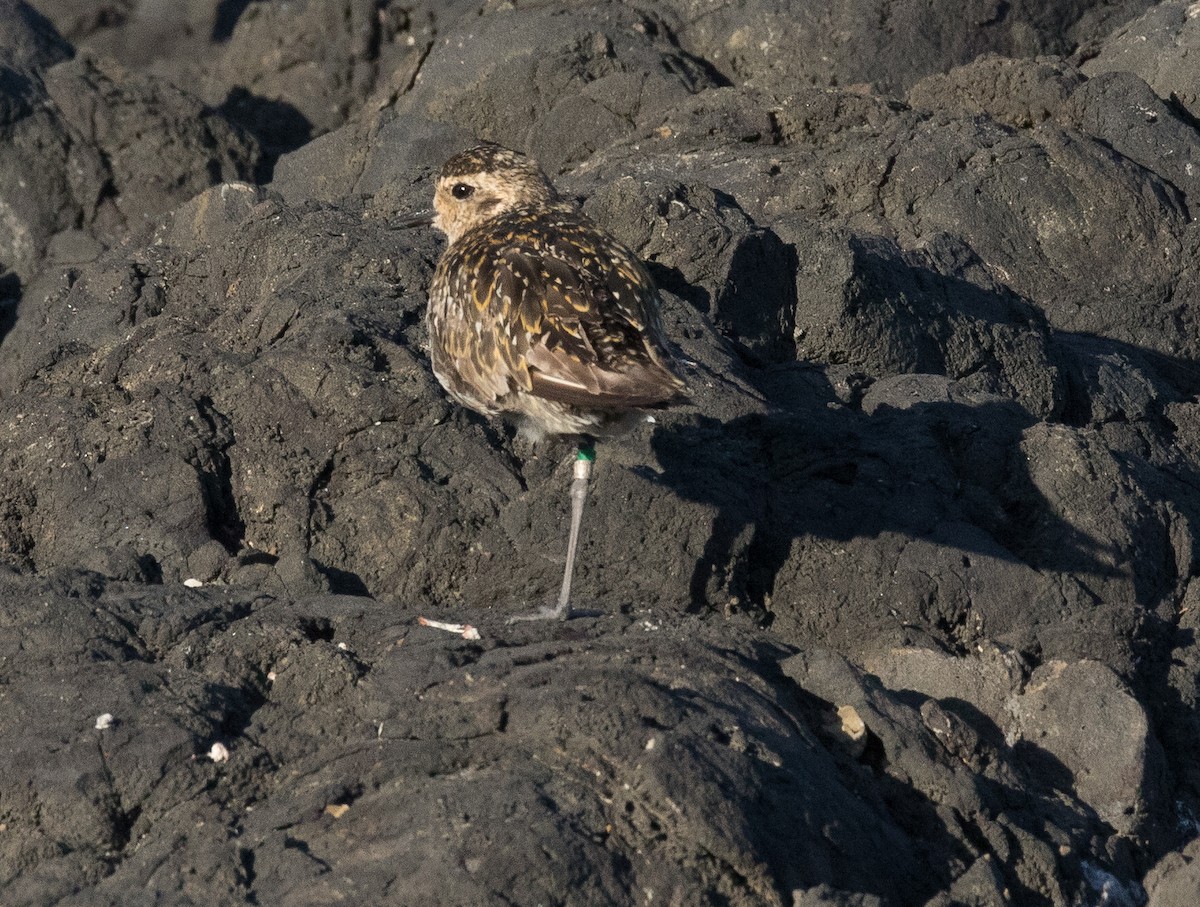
(539, 315)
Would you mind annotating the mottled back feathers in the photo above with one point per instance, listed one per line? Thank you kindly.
(536, 311)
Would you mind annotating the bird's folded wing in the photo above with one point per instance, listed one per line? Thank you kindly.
(563, 379)
(589, 329)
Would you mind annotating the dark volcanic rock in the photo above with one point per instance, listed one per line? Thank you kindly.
(1052, 213)
(864, 302)
(1017, 92)
(30, 44)
(93, 152)
(291, 71)
(35, 190)
(481, 772)
(1069, 712)
(137, 32)
(559, 86)
(344, 726)
(888, 46)
(898, 609)
(1117, 107)
(283, 72)
(703, 248)
(143, 145)
(1159, 46)
(1175, 881)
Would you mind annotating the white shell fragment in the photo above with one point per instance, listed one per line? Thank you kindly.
(105, 721)
(193, 583)
(852, 724)
(466, 631)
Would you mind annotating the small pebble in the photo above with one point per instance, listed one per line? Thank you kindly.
(852, 724)
(105, 721)
(219, 753)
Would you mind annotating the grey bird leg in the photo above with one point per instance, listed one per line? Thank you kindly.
(579, 490)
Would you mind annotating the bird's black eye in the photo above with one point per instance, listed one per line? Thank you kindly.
(462, 190)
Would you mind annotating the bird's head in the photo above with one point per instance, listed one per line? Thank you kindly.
(484, 182)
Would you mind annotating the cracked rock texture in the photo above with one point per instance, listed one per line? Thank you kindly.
(900, 608)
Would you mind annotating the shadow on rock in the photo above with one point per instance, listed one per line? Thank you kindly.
(10, 299)
(227, 15)
(929, 508)
(280, 127)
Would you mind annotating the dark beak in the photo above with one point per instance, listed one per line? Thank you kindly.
(420, 219)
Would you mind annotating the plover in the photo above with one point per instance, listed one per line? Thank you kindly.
(538, 314)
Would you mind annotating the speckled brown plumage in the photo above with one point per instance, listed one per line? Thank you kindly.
(535, 311)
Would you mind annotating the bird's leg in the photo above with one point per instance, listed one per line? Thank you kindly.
(579, 489)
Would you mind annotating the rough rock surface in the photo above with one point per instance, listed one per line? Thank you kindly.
(1175, 881)
(888, 45)
(1155, 47)
(899, 609)
(92, 152)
